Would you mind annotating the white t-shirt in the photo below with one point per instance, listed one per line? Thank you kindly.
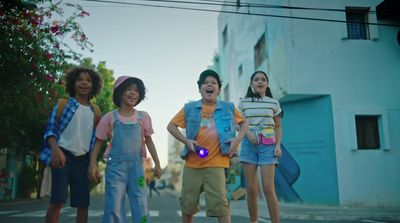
(77, 135)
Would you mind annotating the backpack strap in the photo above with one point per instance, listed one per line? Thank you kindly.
(60, 108)
(63, 101)
(97, 114)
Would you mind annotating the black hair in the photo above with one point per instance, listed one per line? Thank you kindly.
(119, 91)
(207, 73)
(72, 75)
(251, 94)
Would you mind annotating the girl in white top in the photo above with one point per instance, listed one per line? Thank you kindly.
(262, 144)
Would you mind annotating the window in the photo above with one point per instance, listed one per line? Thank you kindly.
(357, 19)
(367, 132)
(259, 52)
(226, 93)
(240, 70)
(225, 36)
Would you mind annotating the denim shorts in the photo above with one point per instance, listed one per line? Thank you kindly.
(74, 175)
(257, 154)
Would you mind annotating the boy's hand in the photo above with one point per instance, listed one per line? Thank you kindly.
(190, 144)
(234, 145)
(57, 158)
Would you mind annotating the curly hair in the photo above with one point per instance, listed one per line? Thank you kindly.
(72, 75)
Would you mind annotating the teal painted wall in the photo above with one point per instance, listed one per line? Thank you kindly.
(309, 138)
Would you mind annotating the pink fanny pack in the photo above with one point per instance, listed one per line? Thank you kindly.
(265, 141)
(267, 137)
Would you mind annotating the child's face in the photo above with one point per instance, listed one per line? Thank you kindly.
(83, 85)
(130, 96)
(209, 89)
(259, 84)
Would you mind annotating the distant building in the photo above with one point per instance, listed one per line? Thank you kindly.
(337, 75)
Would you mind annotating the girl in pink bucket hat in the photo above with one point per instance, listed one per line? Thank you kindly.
(129, 132)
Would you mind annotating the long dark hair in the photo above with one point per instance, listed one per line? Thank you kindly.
(251, 94)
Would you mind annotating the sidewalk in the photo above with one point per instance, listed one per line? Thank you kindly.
(319, 212)
(316, 212)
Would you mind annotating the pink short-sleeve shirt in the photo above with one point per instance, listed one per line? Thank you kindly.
(104, 130)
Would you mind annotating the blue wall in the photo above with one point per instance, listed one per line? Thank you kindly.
(308, 136)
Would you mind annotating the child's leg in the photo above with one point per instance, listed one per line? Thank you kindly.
(116, 177)
(82, 215)
(53, 213)
(224, 219)
(268, 174)
(59, 192)
(137, 193)
(79, 187)
(187, 218)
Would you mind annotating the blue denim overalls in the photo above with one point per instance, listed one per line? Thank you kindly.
(124, 173)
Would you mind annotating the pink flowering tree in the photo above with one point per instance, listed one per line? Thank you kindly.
(33, 55)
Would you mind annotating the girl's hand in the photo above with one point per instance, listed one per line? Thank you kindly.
(253, 139)
(94, 174)
(157, 171)
(234, 145)
(278, 151)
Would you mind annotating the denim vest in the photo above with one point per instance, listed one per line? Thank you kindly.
(224, 118)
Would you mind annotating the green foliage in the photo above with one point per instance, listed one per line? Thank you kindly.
(28, 180)
(33, 56)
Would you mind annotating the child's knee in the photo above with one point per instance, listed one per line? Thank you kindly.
(57, 206)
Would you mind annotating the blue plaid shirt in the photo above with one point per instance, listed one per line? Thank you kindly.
(55, 128)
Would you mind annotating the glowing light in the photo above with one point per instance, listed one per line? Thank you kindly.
(201, 151)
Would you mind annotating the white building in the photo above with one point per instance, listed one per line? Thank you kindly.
(337, 75)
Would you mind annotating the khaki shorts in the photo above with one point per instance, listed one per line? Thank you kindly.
(212, 182)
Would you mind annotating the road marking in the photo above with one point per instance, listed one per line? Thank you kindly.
(7, 212)
(152, 213)
(41, 213)
(31, 214)
(199, 214)
(372, 221)
(92, 213)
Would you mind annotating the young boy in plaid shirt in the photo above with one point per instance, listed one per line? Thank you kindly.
(69, 138)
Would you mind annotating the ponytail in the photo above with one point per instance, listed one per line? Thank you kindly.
(250, 93)
(268, 92)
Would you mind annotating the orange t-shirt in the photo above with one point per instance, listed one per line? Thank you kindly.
(206, 137)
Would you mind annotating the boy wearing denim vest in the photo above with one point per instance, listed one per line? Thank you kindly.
(211, 124)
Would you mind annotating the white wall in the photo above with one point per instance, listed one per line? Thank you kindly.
(314, 57)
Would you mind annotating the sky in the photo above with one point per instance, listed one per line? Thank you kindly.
(166, 48)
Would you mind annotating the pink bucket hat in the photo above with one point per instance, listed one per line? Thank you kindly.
(120, 80)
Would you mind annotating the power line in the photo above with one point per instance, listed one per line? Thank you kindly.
(249, 5)
(260, 5)
(235, 12)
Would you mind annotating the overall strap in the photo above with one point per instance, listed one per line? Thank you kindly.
(115, 114)
(139, 117)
